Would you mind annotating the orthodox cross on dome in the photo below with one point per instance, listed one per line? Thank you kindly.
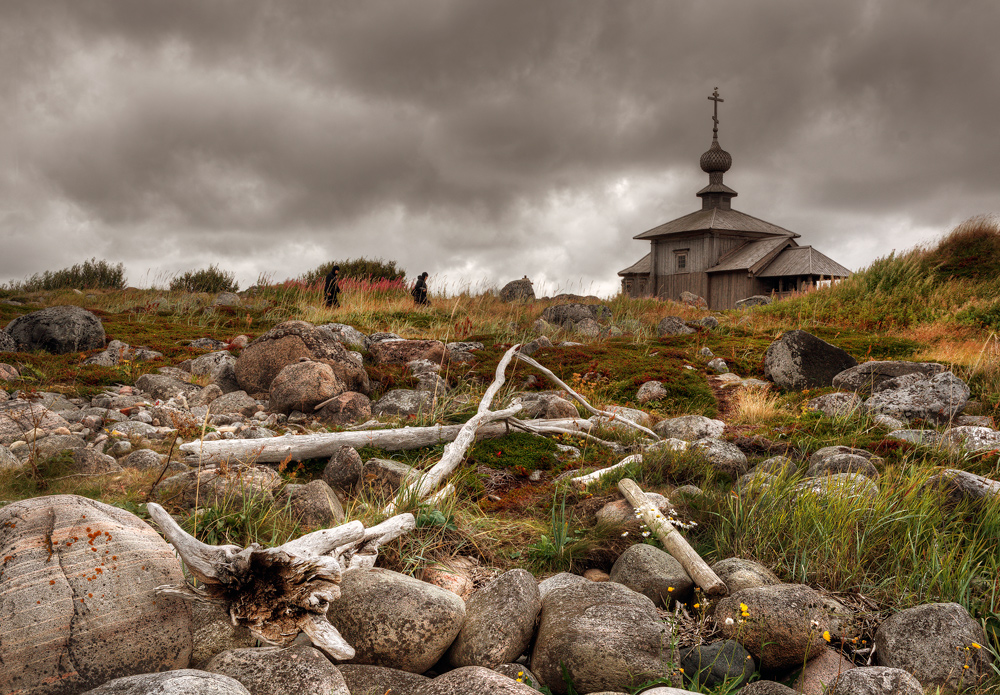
(715, 116)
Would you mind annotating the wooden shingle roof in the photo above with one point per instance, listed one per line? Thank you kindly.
(719, 220)
(753, 255)
(803, 260)
(640, 267)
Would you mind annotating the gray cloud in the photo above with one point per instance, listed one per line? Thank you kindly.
(480, 141)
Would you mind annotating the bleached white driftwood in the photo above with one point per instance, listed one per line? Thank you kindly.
(673, 541)
(279, 592)
(590, 478)
(542, 427)
(323, 445)
(455, 451)
(583, 401)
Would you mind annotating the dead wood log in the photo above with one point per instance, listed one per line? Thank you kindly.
(583, 401)
(279, 592)
(673, 541)
(454, 452)
(323, 445)
(583, 481)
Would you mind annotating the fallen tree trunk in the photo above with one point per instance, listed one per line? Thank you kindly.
(673, 541)
(323, 445)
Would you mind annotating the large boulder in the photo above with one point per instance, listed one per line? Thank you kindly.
(935, 642)
(78, 600)
(653, 573)
(366, 679)
(298, 670)
(560, 314)
(394, 620)
(474, 680)
(302, 386)
(869, 377)
(782, 624)
(739, 573)
(965, 486)
(58, 329)
(673, 325)
(285, 344)
(690, 427)
(404, 402)
(182, 682)
(606, 636)
(875, 680)
(500, 621)
(913, 396)
(348, 335)
(163, 387)
(19, 416)
(723, 456)
(517, 291)
(710, 665)
(348, 408)
(406, 351)
(800, 360)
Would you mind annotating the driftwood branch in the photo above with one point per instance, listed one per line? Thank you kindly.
(323, 445)
(542, 427)
(585, 480)
(673, 541)
(583, 401)
(279, 592)
(454, 452)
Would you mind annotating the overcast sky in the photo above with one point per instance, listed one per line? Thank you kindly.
(481, 140)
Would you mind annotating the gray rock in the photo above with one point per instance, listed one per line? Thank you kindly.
(365, 679)
(673, 325)
(784, 625)
(205, 396)
(709, 322)
(869, 377)
(718, 365)
(605, 635)
(518, 291)
(530, 348)
(939, 398)
(653, 573)
(207, 344)
(691, 299)
(315, 504)
(474, 680)
(875, 680)
(836, 404)
(690, 428)
(181, 682)
(621, 511)
(54, 444)
(520, 673)
(929, 642)
(381, 336)
(499, 623)
(755, 300)
(559, 581)
(710, 665)
(767, 688)
(213, 632)
(343, 470)
(18, 416)
(347, 335)
(225, 377)
(706, 353)
(779, 466)
(227, 299)
(58, 329)
(965, 486)
(723, 456)
(923, 437)
(588, 328)
(799, 360)
(394, 620)
(235, 484)
(235, 402)
(297, 670)
(970, 439)
(651, 391)
(348, 408)
(404, 402)
(387, 475)
(93, 462)
(208, 363)
(739, 573)
(164, 387)
(560, 314)
(828, 451)
(464, 346)
(133, 428)
(843, 463)
(8, 460)
(7, 343)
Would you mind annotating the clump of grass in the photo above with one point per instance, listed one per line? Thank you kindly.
(756, 406)
(89, 275)
(211, 279)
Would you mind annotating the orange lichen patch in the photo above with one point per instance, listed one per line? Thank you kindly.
(52, 581)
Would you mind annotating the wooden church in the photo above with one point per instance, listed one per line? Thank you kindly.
(722, 254)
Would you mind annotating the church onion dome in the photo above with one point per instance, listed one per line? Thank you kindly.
(716, 160)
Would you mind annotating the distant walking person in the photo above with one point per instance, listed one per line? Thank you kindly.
(331, 287)
(419, 290)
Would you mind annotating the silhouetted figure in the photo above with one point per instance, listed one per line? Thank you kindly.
(419, 290)
(331, 287)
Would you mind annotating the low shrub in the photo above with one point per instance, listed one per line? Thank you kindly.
(210, 279)
(89, 275)
(370, 270)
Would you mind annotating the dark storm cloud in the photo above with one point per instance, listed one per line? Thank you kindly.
(486, 139)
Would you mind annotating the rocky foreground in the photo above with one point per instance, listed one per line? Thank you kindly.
(80, 610)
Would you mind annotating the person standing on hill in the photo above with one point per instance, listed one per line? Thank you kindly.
(419, 290)
(331, 287)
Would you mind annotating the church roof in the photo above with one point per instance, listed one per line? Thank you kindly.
(803, 260)
(753, 255)
(640, 267)
(716, 219)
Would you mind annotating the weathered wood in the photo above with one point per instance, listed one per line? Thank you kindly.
(323, 445)
(454, 452)
(673, 541)
(540, 429)
(583, 401)
(590, 478)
